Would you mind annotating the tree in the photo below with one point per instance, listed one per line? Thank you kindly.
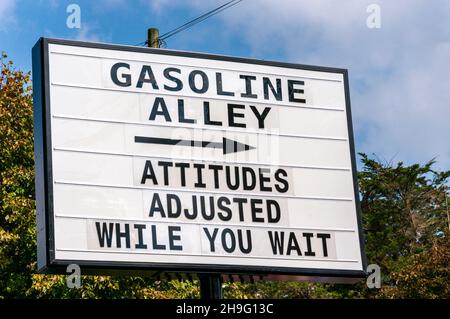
(17, 214)
(405, 221)
(423, 275)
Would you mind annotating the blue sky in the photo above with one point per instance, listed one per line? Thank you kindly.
(399, 73)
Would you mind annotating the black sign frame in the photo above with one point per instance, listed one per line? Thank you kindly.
(47, 263)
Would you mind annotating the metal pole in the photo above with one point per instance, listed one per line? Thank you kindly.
(153, 38)
(210, 286)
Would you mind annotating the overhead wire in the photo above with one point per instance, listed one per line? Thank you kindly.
(187, 25)
(200, 19)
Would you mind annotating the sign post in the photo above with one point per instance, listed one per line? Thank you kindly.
(156, 160)
(210, 286)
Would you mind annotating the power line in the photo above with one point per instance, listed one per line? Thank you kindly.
(195, 21)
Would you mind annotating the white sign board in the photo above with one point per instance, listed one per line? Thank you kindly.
(157, 159)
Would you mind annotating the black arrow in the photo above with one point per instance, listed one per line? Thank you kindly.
(227, 145)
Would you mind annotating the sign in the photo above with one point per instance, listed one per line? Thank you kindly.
(175, 161)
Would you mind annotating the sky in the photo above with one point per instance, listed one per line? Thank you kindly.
(397, 52)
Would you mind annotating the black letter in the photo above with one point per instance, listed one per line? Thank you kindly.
(309, 252)
(125, 234)
(181, 117)
(207, 116)
(263, 179)
(256, 210)
(154, 240)
(249, 241)
(149, 173)
(277, 242)
(232, 115)
(245, 185)
(194, 213)
(205, 80)
(183, 167)
(279, 172)
(170, 212)
(293, 90)
(140, 243)
(159, 101)
(248, 86)
(267, 84)
(126, 77)
(293, 245)
(156, 206)
(203, 207)
(240, 202)
(324, 243)
(173, 237)
(216, 169)
(199, 182)
(224, 240)
(165, 166)
(147, 69)
(261, 116)
(236, 177)
(211, 239)
(179, 85)
(270, 218)
(220, 90)
(104, 234)
(221, 205)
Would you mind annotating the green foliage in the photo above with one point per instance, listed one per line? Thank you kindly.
(404, 211)
(404, 217)
(277, 290)
(17, 214)
(423, 275)
(99, 287)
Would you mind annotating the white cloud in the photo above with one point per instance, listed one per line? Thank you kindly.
(161, 7)
(112, 3)
(87, 33)
(400, 73)
(5, 6)
(6, 13)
